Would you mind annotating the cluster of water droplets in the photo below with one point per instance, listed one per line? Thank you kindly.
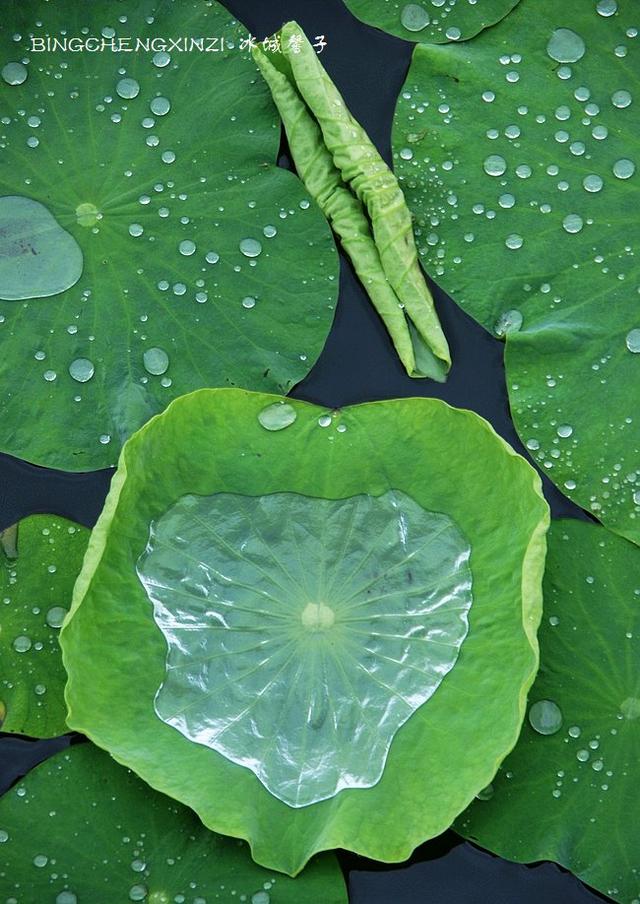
(444, 17)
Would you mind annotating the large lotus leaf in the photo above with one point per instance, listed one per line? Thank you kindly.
(213, 441)
(517, 153)
(431, 21)
(80, 828)
(571, 787)
(284, 597)
(139, 186)
(39, 563)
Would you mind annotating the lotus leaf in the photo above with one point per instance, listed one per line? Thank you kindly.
(215, 441)
(40, 560)
(517, 153)
(431, 21)
(81, 828)
(570, 788)
(148, 243)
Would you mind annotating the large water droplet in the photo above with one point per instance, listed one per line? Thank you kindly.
(128, 88)
(14, 73)
(607, 7)
(572, 223)
(55, 616)
(66, 897)
(624, 168)
(156, 361)
(82, 370)
(565, 46)
(633, 341)
(278, 416)
(545, 717)
(495, 165)
(250, 247)
(508, 322)
(414, 17)
(37, 257)
(87, 214)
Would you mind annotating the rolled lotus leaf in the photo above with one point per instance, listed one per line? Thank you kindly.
(359, 194)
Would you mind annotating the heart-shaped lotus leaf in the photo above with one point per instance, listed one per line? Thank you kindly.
(148, 244)
(517, 153)
(40, 560)
(348, 613)
(224, 441)
(570, 788)
(431, 21)
(81, 828)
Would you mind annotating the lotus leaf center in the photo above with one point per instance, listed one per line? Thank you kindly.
(318, 617)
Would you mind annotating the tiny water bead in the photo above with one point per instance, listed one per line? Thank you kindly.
(565, 46)
(545, 717)
(160, 106)
(156, 361)
(495, 165)
(82, 370)
(14, 73)
(250, 247)
(55, 616)
(277, 416)
(414, 17)
(633, 340)
(128, 88)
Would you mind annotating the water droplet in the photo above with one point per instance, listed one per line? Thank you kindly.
(486, 793)
(453, 33)
(260, 897)
(597, 765)
(135, 229)
(270, 231)
(167, 156)
(514, 241)
(160, 106)
(4, 836)
(564, 430)
(211, 257)
(248, 302)
(592, 182)
(40, 860)
(187, 247)
(575, 731)
(606, 7)
(37, 257)
(565, 46)
(156, 361)
(572, 223)
(630, 708)
(621, 99)
(50, 375)
(14, 73)
(138, 866)
(495, 165)
(414, 17)
(105, 439)
(66, 897)
(633, 341)
(406, 154)
(506, 201)
(138, 892)
(624, 168)
(277, 416)
(250, 247)
(582, 756)
(81, 370)
(87, 214)
(40, 689)
(545, 717)
(128, 88)
(161, 59)
(324, 420)
(55, 616)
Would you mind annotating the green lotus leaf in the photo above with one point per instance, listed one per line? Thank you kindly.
(431, 21)
(40, 560)
(284, 599)
(148, 244)
(567, 791)
(224, 442)
(517, 153)
(360, 196)
(80, 828)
